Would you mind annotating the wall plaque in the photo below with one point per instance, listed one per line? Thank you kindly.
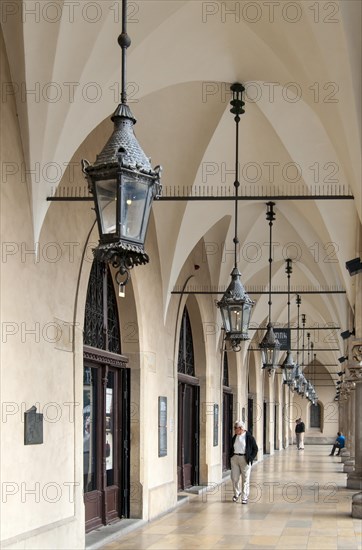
(33, 427)
(162, 426)
(216, 425)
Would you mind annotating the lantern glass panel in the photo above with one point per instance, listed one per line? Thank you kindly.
(268, 356)
(135, 207)
(107, 203)
(288, 375)
(225, 318)
(236, 318)
(246, 317)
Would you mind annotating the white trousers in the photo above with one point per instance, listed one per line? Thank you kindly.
(300, 440)
(239, 467)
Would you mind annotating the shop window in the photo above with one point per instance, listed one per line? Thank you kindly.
(101, 325)
(225, 377)
(186, 362)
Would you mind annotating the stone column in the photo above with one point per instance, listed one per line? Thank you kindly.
(357, 506)
(286, 412)
(353, 421)
(344, 404)
(349, 412)
(348, 457)
(291, 422)
(343, 419)
(354, 479)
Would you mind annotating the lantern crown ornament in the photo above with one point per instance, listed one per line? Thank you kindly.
(124, 185)
(270, 345)
(236, 305)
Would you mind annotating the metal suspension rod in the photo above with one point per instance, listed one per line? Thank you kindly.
(236, 184)
(270, 267)
(313, 357)
(237, 109)
(298, 300)
(288, 270)
(308, 347)
(314, 364)
(124, 41)
(270, 216)
(303, 337)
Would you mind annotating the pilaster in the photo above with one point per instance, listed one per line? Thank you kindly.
(354, 479)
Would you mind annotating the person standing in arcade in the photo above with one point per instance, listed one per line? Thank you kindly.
(299, 433)
(242, 454)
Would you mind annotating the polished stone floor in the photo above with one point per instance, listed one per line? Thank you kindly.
(298, 500)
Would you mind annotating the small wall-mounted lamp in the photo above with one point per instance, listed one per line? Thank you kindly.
(347, 333)
(342, 359)
(354, 266)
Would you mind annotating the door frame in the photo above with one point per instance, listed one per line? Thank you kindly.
(227, 422)
(250, 414)
(193, 382)
(100, 499)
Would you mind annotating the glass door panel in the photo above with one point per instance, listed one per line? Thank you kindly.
(90, 390)
(110, 422)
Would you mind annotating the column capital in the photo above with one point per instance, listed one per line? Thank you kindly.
(355, 362)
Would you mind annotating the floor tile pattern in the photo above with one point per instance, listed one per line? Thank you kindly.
(298, 499)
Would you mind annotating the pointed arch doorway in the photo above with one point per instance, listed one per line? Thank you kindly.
(106, 406)
(188, 410)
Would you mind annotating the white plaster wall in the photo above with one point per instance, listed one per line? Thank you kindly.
(41, 493)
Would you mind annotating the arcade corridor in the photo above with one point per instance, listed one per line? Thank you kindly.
(237, 199)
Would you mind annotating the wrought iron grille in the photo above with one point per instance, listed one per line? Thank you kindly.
(101, 324)
(94, 333)
(225, 376)
(113, 331)
(186, 362)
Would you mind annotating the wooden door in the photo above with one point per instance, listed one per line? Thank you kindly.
(105, 444)
(227, 431)
(250, 415)
(188, 436)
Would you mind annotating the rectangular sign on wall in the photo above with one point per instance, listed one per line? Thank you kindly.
(216, 424)
(162, 426)
(283, 335)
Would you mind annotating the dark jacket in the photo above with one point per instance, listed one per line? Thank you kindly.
(251, 448)
(299, 428)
